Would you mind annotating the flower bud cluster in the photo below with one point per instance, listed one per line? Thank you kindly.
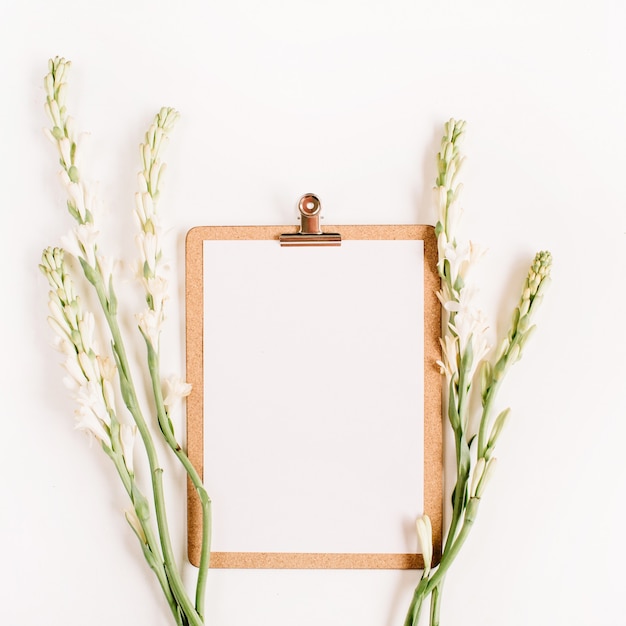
(149, 238)
(465, 340)
(90, 376)
(82, 202)
(522, 328)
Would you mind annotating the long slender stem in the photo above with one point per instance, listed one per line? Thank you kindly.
(435, 604)
(155, 561)
(448, 557)
(415, 608)
(166, 429)
(130, 398)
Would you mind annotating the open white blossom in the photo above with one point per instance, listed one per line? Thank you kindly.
(89, 375)
(175, 389)
(150, 324)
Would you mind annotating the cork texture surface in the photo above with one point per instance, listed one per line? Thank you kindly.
(433, 447)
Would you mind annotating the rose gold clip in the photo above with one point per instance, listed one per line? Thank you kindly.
(310, 233)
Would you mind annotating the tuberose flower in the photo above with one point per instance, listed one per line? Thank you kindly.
(425, 535)
(175, 389)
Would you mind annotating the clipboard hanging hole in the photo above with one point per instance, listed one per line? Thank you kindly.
(309, 205)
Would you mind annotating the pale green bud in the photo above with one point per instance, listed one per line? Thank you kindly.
(49, 85)
(498, 425)
(486, 477)
(479, 470)
(135, 524)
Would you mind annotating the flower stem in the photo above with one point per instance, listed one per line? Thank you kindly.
(149, 543)
(156, 472)
(168, 432)
(415, 608)
(435, 604)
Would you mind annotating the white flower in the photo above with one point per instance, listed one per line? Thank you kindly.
(87, 421)
(107, 267)
(57, 314)
(64, 150)
(127, 437)
(135, 524)
(470, 325)
(157, 288)
(461, 258)
(92, 414)
(90, 397)
(142, 184)
(175, 389)
(87, 328)
(106, 367)
(87, 366)
(108, 394)
(63, 345)
(87, 236)
(482, 475)
(60, 331)
(479, 470)
(149, 248)
(425, 535)
(449, 352)
(76, 193)
(150, 324)
(80, 242)
(73, 368)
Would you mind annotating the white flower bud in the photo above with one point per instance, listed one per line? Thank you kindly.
(127, 437)
(479, 470)
(425, 536)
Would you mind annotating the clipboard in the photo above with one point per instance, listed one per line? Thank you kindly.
(267, 419)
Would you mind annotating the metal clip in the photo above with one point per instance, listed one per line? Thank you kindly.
(310, 233)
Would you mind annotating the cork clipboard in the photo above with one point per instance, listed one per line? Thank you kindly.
(224, 449)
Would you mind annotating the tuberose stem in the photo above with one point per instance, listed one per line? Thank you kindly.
(130, 399)
(166, 429)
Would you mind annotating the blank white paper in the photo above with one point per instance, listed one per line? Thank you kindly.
(314, 395)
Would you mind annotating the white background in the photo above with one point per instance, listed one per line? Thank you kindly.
(345, 99)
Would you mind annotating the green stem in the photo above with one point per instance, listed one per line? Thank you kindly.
(155, 560)
(460, 487)
(428, 585)
(168, 433)
(156, 472)
(448, 558)
(435, 604)
(415, 608)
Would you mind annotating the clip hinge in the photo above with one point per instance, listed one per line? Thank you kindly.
(310, 233)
